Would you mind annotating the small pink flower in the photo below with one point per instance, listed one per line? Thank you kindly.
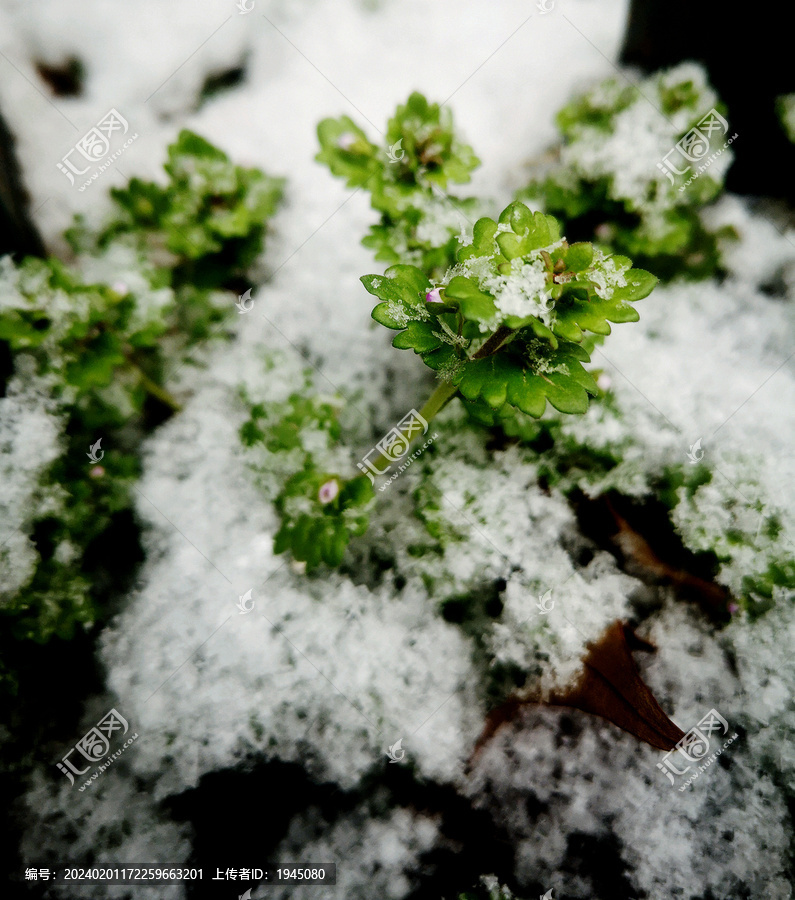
(328, 491)
(434, 296)
(733, 608)
(120, 288)
(97, 472)
(604, 232)
(346, 141)
(603, 382)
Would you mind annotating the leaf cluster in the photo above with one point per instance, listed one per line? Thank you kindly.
(208, 221)
(102, 345)
(506, 324)
(407, 178)
(320, 510)
(605, 190)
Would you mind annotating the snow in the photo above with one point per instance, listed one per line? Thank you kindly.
(329, 671)
(727, 833)
(608, 276)
(31, 427)
(382, 852)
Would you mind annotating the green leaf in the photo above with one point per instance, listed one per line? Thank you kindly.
(407, 284)
(356, 492)
(403, 288)
(510, 245)
(418, 337)
(579, 257)
(534, 230)
(639, 285)
(568, 329)
(483, 233)
(346, 150)
(476, 305)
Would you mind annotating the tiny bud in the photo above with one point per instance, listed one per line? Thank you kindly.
(120, 288)
(733, 608)
(346, 141)
(603, 382)
(328, 491)
(97, 472)
(433, 296)
(604, 232)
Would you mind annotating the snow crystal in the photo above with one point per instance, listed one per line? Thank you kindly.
(374, 855)
(606, 275)
(31, 428)
(522, 292)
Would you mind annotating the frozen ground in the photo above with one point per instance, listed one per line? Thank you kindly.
(328, 672)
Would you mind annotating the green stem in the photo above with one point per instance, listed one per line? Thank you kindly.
(152, 387)
(494, 343)
(443, 394)
(445, 391)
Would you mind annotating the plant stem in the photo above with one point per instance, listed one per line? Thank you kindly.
(443, 394)
(494, 343)
(433, 405)
(152, 387)
(445, 391)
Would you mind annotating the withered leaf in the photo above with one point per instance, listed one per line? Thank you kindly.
(611, 687)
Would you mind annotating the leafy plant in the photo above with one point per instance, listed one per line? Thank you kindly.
(320, 510)
(94, 340)
(505, 325)
(504, 328)
(609, 183)
(407, 179)
(207, 223)
(100, 342)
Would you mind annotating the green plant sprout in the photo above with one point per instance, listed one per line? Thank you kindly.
(605, 181)
(503, 329)
(204, 228)
(407, 179)
(95, 339)
(320, 509)
(785, 107)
